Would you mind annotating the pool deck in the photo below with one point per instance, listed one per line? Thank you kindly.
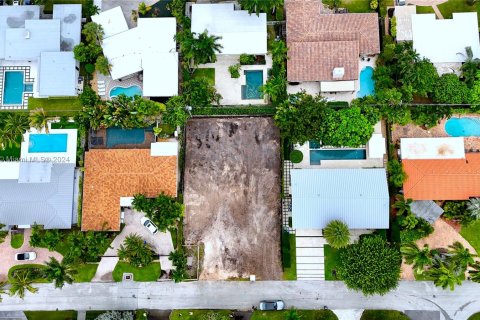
(472, 144)
(69, 156)
(109, 84)
(102, 134)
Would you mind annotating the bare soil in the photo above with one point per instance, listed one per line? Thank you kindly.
(232, 196)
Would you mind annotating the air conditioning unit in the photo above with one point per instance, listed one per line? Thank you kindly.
(27, 34)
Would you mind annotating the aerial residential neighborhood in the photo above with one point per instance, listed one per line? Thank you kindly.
(244, 159)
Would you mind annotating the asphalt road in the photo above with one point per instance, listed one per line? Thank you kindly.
(420, 295)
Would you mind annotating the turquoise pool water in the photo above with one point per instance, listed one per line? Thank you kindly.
(47, 143)
(13, 87)
(254, 80)
(316, 156)
(129, 92)
(367, 84)
(463, 127)
(119, 136)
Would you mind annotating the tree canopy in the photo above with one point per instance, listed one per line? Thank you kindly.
(164, 211)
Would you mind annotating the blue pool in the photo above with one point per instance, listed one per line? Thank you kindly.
(119, 136)
(367, 84)
(316, 156)
(463, 127)
(129, 92)
(13, 87)
(47, 143)
(254, 80)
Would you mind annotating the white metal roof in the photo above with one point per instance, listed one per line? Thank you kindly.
(28, 43)
(9, 170)
(432, 148)
(443, 40)
(376, 146)
(113, 21)
(160, 74)
(168, 148)
(403, 15)
(58, 76)
(70, 16)
(337, 86)
(241, 32)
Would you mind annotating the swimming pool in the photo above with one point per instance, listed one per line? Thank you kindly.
(367, 84)
(13, 87)
(129, 91)
(463, 127)
(40, 143)
(119, 136)
(316, 156)
(254, 80)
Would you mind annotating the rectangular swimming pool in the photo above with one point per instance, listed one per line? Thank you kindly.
(316, 156)
(13, 87)
(40, 143)
(119, 136)
(254, 81)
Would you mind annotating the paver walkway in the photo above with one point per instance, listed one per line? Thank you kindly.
(7, 254)
(310, 254)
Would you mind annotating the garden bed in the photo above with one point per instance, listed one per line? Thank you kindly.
(36, 272)
(16, 240)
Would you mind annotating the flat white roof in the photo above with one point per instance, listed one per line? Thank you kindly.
(28, 43)
(168, 148)
(442, 40)
(376, 146)
(70, 16)
(9, 170)
(160, 74)
(113, 21)
(432, 148)
(58, 76)
(404, 22)
(241, 32)
(337, 86)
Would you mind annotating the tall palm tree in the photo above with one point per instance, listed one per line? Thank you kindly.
(475, 272)
(474, 207)
(39, 119)
(402, 205)
(445, 276)
(275, 87)
(207, 47)
(460, 256)
(337, 234)
(419, 258)
(135, 251)
(16, 124)
(59, 272)
(21, 282)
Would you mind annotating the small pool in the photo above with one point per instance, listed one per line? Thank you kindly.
(316, 156)
(119, 136)
(254, 81)
(367, 84)
(13, 87)
(463, 127)
(40, 143)
(129, 91)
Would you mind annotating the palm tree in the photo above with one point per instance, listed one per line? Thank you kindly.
(198, 48)
(59, 272)
(16, 124)
(402, 205)
(21, 281)
(474, 207)
(337, 234)
(419, 258)
(460, 256)
(93, 32)
(275, 87)
(2, 290)
(135, 251)
(469, 67)
(143, 9)
(39, 119)
(279, 52)
(445, 276)
(475, 272)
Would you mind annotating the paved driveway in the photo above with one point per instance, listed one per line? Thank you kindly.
(7, 254)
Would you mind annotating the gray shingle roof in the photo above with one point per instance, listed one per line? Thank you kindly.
(358, 197)
(427, 210)
(49, 204)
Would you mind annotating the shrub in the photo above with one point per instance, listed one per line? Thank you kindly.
(337, 234)
(200, 93)
(90, 68)
(247, 59)
(396, 174)
(421, 230)
(179, 260)
(393, 26)
(163, 210)
(373, 4)
(371, 266)
(234, 71)
(458, 211)
(286, 256)
(296, 156)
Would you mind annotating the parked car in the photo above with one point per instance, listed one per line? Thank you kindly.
(271, 305)
(23, 256)
(149, 225)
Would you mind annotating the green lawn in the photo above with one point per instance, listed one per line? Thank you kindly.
(16, 240)
(148, 273)
(447, 8)
(85, 272)
(475, 316)
(37, 279)
(208, 73)
(51, 315)
(383, 315)
(195, 314)
(331, 261)
(472, 234)
(68, 125)
(291, 272)
(426, 9)
(56, 106)
(356, 6)
(304, 315)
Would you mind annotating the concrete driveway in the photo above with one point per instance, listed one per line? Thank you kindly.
(127, 7)
(8, 254)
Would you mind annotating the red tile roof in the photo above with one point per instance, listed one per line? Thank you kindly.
(457, 179)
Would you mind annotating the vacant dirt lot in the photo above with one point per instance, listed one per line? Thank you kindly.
(232, 196)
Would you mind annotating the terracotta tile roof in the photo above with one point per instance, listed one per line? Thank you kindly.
(359, 33)
(114, 173)
(443, 179)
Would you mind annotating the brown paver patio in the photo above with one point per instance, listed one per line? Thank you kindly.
(8, 254)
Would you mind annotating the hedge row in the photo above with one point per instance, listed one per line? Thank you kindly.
(224, 111)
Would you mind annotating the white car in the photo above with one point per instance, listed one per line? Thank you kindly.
(271, 305)
(23, 256)
(149, 225)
